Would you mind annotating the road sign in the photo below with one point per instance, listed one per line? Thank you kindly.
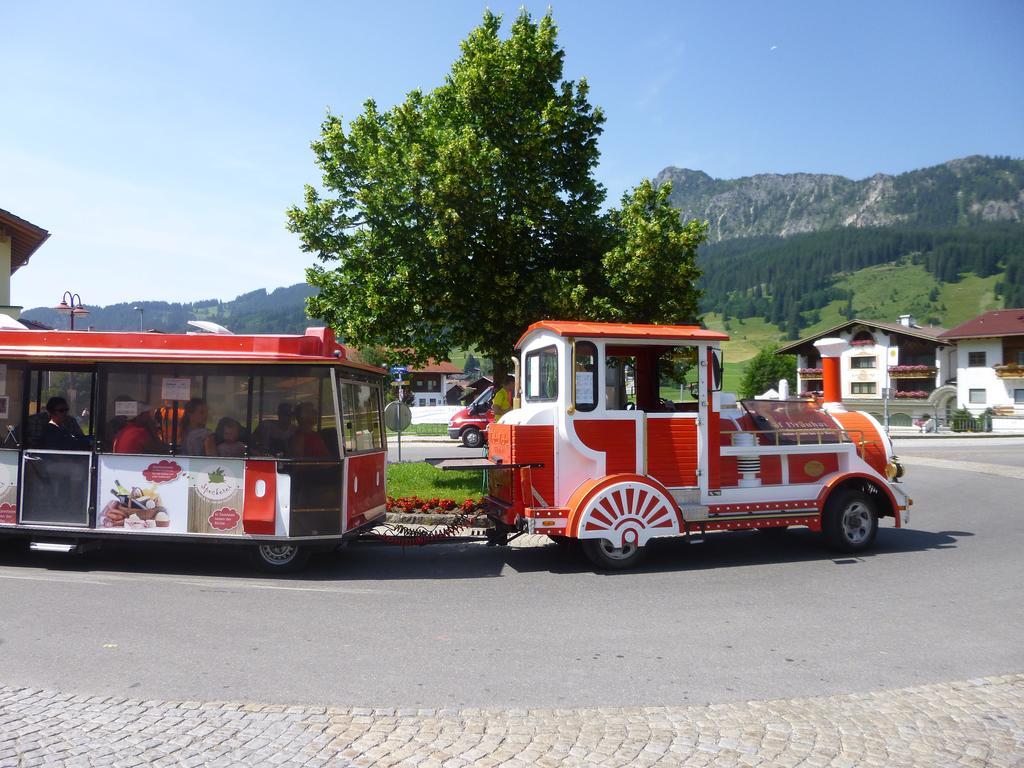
(398, 370)
(397, 416)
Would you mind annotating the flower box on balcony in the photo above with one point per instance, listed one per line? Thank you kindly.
(1010, 371)
(810, 373)
(862, 343)
(912, 395)
(912, 371)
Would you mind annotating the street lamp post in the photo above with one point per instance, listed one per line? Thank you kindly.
(142, 325)
(72, 304)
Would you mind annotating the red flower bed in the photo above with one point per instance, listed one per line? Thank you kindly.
(414, 504)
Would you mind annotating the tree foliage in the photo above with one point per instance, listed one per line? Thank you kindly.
(649, 275)
(765, 370)
(460, 215)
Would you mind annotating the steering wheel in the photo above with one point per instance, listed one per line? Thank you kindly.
(665, 404)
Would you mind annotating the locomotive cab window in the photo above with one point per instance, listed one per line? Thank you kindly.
(585, 376)
(542, 375)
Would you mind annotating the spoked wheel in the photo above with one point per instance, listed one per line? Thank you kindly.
(851, 521)
(604, 554)
(281, 557)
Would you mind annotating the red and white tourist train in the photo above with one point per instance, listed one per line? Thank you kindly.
(623, 436)
(271, 441)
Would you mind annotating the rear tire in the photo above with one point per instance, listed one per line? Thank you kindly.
(472, 437)
(850, 521)
(602, 554)
(280, 557)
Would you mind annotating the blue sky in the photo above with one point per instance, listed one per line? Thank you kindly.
(160, 143)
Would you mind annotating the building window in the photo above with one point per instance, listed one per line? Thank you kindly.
(1018, 396)
(977, 396)
(976, 360)
(1020, 357)
(862, 362)
(862, 388)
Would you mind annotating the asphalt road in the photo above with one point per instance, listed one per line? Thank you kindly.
(443, 449)
(742, 616)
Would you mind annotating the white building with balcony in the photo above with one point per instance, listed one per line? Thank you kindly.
(990, 366)
(912, 362)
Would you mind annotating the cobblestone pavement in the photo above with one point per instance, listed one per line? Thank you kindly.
(971, 723)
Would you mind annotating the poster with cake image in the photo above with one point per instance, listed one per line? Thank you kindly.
(215, 496)
(8, 487)
(141, 495)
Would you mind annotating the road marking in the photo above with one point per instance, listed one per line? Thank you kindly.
(60, 579)
(999, 470)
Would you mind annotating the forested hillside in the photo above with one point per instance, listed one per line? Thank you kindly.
(788, 281)
(282, 310)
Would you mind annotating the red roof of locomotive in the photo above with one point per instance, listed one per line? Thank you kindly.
(625, 331)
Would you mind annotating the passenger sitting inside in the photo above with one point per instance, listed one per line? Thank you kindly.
(229, 438)
(62, 432)
(199, 441)
(141, 434)
(307, 442)
(272, 435)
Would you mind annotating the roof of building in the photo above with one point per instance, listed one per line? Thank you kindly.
(998, 322)
(432, 366)
(25, 236)
(932, 333)
(625, 331)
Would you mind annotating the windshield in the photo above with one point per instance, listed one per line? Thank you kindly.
(483, 397)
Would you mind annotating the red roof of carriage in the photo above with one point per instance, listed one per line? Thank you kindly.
(625, 331)
(317, 345)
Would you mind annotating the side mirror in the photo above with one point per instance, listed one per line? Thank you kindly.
(717, 356)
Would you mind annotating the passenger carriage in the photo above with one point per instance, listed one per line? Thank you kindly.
(623, 436)
(283, 484)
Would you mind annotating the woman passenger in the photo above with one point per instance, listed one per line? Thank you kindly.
(199, 441)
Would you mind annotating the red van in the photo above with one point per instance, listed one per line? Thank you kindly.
(470, 423)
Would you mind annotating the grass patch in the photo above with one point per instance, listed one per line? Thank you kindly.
(423, 430)
(428, 482)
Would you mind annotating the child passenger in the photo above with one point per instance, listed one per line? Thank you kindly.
(229, 438)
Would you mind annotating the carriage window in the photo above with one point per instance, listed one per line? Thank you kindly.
(360, 407)
(12, 384)
(70, 394)
(585, 371)
(214, 418)
(294, 416)
(542, 374)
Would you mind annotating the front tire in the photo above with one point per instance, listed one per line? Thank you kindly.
(850, 521)
(472, 437)
(280, 557)
(607, 557)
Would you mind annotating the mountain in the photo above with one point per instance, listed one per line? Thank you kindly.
(963, 192)
(282, 310)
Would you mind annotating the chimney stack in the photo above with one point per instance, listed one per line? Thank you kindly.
(830, 350)
(908, 321)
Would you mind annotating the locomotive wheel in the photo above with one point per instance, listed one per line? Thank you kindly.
(610, 558)
(472, 437)
(850, 521)
(280, 557)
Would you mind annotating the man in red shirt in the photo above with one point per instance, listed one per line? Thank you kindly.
(141, 434)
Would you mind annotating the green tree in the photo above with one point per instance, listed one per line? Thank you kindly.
(649, 274)
(764, 371)
(461, 215)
